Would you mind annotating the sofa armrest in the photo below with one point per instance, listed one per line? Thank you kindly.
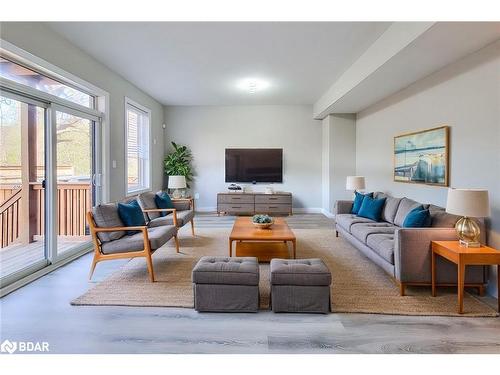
(412, 251)
(343, 207)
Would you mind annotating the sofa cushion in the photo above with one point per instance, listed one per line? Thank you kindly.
(405, 206)
(183, 217)
(225, 270)
(442, 219)
(362, 231)
(147, 202)
(371, 208)
(358, 201)
(307, 272)
(417, 218)
(347, 220)
(106, 216)
(163, 200)
(390, 207)
(131, 215)
(383, 245)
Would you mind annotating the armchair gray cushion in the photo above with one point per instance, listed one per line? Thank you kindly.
(183, 217)
(157, 238)
(106, 216)
(147, 202)
(182, 205)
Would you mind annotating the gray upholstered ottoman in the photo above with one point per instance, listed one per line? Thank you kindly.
(300, 285)
(226, 284)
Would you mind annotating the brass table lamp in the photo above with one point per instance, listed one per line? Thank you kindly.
(468, 203)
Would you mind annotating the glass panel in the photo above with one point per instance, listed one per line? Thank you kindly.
(22, 199)
(74, 179)
(137, 150)
(28, 77)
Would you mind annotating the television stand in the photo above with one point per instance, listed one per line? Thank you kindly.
(279, 203)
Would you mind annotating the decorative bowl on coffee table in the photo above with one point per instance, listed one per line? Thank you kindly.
(262, 221)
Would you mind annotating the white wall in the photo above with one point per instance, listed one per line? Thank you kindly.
(208, 130)
(338, 158)
(41, 41)
(464, 95)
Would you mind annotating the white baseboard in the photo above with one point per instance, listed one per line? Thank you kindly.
(327, 213)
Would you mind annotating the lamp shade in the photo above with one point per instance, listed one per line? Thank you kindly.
(355, 183)
(468, 202)
(176, 182)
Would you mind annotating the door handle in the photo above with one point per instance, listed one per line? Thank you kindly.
(43, 184)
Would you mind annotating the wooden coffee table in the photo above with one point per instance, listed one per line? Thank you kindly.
(265, 244)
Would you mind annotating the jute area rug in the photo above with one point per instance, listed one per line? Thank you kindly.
(359, 286)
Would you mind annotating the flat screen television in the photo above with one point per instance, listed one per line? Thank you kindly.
(254, 165)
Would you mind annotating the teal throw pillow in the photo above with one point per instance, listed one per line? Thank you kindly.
(358, 200)
(417, 218)
(371, 208)
(131, 215)
(163, 200)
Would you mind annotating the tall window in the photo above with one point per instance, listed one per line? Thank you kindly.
(138, 158)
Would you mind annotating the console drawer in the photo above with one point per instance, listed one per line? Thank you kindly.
(272, 208)
(235, 198)
(273, 199)
(236, 208)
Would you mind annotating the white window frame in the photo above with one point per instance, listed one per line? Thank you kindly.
(146, 187)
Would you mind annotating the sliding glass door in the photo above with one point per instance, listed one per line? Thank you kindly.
(75, 179)
(49, 168)
(48, 181)
(22, 186)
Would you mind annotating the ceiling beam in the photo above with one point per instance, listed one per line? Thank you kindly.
(397, 37)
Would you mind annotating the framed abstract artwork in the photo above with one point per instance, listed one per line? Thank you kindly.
(422, 157)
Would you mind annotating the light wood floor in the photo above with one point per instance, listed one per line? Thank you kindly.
(41, 312)
(15, 257)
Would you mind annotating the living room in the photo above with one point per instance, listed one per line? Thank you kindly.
(296, 187)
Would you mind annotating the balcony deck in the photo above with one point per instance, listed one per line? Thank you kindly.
(18, 256)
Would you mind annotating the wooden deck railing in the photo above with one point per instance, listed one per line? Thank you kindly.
(9, 219)
(73, 201)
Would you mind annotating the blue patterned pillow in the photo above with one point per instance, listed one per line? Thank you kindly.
(131, 215)
(358, 200)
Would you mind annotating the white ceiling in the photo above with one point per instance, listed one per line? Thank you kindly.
(201, 63)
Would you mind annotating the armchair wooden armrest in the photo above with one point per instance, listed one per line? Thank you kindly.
(190, 200)
(116, 229)
(173, 210)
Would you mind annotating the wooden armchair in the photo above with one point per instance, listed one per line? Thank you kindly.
(110, 241)
(183, 211)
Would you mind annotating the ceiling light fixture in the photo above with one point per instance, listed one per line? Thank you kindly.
(253, 85)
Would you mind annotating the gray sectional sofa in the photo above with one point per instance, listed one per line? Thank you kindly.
(405, 253)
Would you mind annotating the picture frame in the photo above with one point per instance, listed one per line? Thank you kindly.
(422, 157)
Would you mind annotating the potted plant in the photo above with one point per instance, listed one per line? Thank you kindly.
(178, 163)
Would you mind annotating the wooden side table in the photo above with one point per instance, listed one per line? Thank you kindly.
(463, 256)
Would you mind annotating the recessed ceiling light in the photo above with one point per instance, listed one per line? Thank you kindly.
(253, 85)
